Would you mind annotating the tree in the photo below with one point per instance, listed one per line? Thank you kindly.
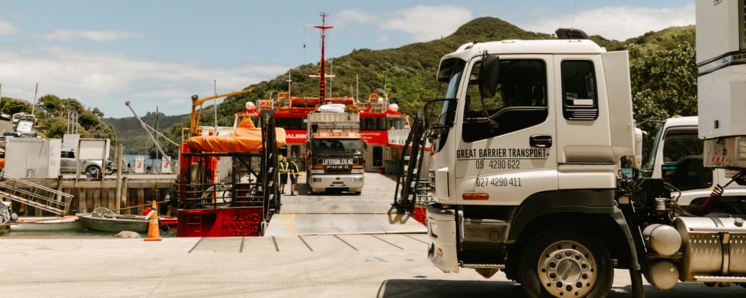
(50, 104)
(72, 105)
(56, 127)
(12, 106)
(98, 112)
(88, 120)
(664, 84)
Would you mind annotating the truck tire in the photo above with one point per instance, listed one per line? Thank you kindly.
(88, 171)
(566, 261)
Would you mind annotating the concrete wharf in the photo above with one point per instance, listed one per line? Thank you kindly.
(280, 266)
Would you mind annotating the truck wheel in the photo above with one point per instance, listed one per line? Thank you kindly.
(90, 169)
(566, 261)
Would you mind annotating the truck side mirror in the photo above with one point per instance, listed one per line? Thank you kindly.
(365, 145)
(488, 75)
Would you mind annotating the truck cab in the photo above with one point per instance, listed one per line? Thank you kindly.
(677, 156)
(526, 129)
(334, 152)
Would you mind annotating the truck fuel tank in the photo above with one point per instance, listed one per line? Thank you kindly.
(711, 247)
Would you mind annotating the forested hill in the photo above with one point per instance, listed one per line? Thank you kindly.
(409, 73)
(133, 136)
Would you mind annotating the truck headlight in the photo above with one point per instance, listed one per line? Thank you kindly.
(317, 171)
(358, 171)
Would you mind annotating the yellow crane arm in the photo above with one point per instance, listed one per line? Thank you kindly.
(198, 102)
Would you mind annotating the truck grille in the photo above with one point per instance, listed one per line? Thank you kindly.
(337, 169)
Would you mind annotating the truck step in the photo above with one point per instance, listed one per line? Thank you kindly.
(704, 278)
(483, 266)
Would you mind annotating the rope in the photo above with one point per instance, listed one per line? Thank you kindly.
(79, 215)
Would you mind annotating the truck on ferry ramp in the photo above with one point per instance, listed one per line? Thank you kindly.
(334, 152)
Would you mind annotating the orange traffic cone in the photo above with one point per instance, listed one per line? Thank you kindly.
(153, 230)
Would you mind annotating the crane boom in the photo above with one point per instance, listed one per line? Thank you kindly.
(198, 102)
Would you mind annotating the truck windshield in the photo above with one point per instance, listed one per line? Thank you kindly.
(337, 147)
(679, 146)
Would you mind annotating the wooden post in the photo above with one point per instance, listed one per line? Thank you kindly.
(110, 197)
(118, 203)
(103, 164)
(59, 188)
(97, 198)
(82, 202)
(140, 199)
(77, 164)
(125, 199)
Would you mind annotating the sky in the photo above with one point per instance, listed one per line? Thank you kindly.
(160, 53)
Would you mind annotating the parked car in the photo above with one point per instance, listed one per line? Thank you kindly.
(4, 116)
(67, 164)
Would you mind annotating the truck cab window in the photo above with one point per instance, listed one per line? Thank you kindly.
(520, 100)
(679, 146)
(579, 95)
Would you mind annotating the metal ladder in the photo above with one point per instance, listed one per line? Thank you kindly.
(35, 195)
(410, 188)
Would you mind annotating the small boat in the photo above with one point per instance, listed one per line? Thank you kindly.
(103, 219)
(33, 224)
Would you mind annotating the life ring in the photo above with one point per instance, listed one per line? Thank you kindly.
(373, 97)
(282, 95)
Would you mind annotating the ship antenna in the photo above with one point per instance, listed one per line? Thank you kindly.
(322, 69)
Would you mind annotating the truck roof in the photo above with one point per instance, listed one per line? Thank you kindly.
(516, 46)
(681, 121)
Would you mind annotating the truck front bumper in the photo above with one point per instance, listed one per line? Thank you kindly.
(441, 227)
(351, 181)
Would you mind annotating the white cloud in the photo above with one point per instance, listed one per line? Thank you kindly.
(353, 15)
(426, 23)
(7, 28)
(620, 22)
(99, 36)
(422, 22)
(107, 79)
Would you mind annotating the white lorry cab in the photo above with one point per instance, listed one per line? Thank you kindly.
(529, 143)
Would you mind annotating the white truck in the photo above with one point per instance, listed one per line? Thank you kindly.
(334, 152)
(527, 165)
(676, 155)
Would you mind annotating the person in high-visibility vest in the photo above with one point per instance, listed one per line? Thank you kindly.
(293, 175)
(283, 174)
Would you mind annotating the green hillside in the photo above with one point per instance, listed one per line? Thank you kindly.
(133, 136)
(409, 72)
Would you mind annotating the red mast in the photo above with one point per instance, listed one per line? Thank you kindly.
(322, 70)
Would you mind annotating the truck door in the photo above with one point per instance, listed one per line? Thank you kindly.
(584, 147)
(506, 149)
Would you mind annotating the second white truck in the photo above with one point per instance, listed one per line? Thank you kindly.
(334, 152)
